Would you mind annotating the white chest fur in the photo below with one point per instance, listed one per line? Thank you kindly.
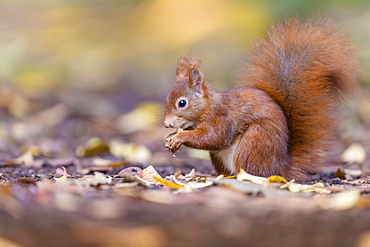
(227, 157)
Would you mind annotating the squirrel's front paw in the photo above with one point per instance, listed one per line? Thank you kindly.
(173, 142)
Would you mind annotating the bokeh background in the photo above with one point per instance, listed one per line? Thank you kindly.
(94, 61)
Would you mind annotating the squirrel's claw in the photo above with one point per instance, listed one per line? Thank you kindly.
(173, 143)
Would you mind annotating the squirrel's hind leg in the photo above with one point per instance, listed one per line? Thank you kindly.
(263, 150)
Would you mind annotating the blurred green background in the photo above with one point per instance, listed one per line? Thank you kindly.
(126, 50)
(118, 44)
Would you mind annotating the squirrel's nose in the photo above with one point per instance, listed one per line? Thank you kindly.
(167, 124)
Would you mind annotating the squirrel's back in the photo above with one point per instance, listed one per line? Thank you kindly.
(306, 67)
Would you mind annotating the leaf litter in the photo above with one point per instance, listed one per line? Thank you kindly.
(102, 176)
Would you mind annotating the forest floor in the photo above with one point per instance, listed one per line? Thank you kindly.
(72, 179)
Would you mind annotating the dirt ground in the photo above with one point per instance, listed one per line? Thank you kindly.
(41, 205)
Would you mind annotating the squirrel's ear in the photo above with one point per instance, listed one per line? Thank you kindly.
(196, 80)
(186, 63)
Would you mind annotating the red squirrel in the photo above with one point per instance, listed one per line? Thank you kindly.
(279, 120)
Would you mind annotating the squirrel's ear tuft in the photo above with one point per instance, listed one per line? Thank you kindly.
(186, 64)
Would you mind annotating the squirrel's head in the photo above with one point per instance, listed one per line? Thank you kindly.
(188, 102)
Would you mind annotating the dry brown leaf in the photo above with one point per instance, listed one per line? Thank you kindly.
(148, 173)
(183, 180)
(189, 181)
(130, 171)
(340, 174)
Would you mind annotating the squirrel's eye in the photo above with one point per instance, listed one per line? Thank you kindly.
(182, 103)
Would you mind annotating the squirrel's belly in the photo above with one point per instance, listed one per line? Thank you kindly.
(227, 158)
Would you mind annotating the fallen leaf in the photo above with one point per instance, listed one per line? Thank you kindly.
(129, 171)
(317, 188)
(26, 158)
(140, 118)
(148, 174)
(189, 187)
(277, 179)
(94, 147)
(190, 181)
(242, 175)
(355, 153)
(340, 174)
(86, 181)
(184, 179)
(352, 173)
(241, 186)
(64, 175)
(144, 182)
(129, 151)
(93, 180)
(168, 183)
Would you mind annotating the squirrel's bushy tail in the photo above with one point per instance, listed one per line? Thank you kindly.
(307, 67)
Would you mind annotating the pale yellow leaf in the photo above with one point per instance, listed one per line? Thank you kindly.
(352, 173)
(242, 175)
(93, 180)
(64, 175)
(355, 153)
(26, 158)
(129, 151)
(318, 188)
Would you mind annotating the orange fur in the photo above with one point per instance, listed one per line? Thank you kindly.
(279, 121)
